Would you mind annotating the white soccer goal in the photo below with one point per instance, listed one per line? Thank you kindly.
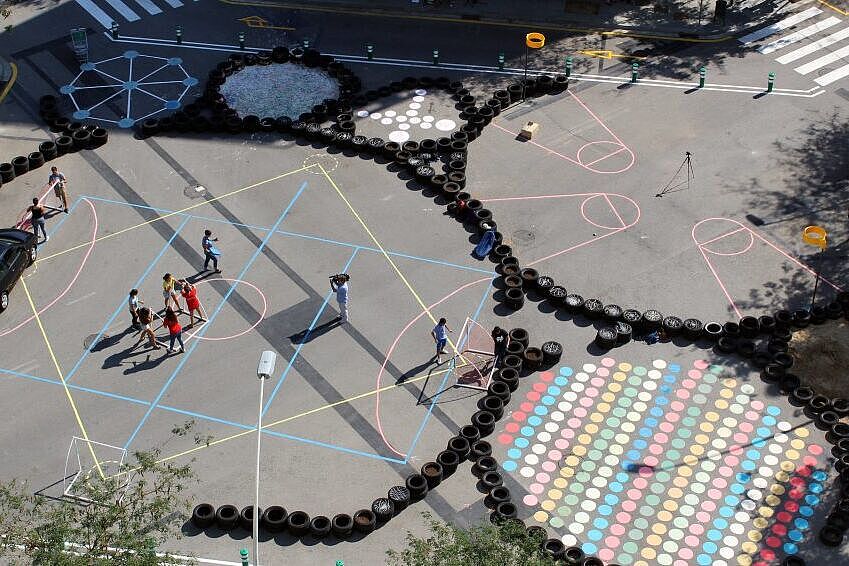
(474, 363)
(88, 460)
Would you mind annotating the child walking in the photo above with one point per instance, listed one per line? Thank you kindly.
(440, 336)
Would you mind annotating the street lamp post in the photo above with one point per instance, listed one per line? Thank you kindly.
(264, 370)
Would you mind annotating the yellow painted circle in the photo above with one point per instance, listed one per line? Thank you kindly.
(772, 500)
(706, 427)
(619, 376)
(702, 438)
(797, 444)
(664, 516)
(777, 489)
(782, 476)
(711, 416)
(726, 393)
(690, 460)
(648, 553)
(555, 494)
(654, 540)
(658, 529)
(749, 548)
(744, 560)
(754, 536)
(721, 404)
(680, 482)
(541, 516)
(571, 461)
(802, 432)
(766, 512)
(697, 450)
(670, 505)
(625, 366)
(787, 466)
(608, 397)
(615, 387)
(792, 454)
(674, 493)
(729, 382)
(760, 523)
(548, 505)
(567, 472)
(641, 563)
(686, 471)
(585, 438)
(591, 428)
(579, 451)
(603, 409)
(560, 483)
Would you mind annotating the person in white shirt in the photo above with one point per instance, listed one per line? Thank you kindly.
(339, 285)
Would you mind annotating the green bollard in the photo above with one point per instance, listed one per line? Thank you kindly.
(568, 67)
(369, 51)
(241, 40)
(244, 555)
(340, 563)
(634, 68)
(179, 35)
(436, 56)
(114, 30)
(306, 44)
(770, 79)
(702, 75)
(501, 61)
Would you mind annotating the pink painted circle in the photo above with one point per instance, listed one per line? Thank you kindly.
(700, 364)
(720, 230)
(602, 372)
(608, 362)
(618, 148)
(505, 439)
(605, 553)
(611, 212)
(530, 500)
(694, 373)
(546, 376)
(193, 334)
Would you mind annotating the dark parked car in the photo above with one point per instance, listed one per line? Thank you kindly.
(17, 252)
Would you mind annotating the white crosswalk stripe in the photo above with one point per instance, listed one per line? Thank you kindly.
(107, 12)
(821, 52)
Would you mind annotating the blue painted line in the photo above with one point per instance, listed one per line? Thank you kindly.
(123, 304)
(306, 337)
(301, 236)
(64, 217)
(334, 447)
(185, 357)
(444, 381)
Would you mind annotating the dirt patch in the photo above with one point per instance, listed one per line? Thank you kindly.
(822, 357)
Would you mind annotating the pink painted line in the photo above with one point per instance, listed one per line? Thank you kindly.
(73, 280)
(389, 355)
(535, 197)
(575, 247)
(251, 327)
(721, 236)
(616, 212)
(597, 119)
(602, 158)
(721, 284)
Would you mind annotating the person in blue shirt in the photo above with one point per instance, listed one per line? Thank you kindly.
(210, 252)
(440, 336)
(339, 285)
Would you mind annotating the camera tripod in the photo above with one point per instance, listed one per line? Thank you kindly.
(671, 186)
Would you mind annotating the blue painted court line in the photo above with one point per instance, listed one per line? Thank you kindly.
(185, 356)
(306, 336)
(333, 446)
(444, 381)
(64, 217)
(301, 236)
(123, 304)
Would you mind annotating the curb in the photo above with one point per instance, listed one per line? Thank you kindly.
(8, 75)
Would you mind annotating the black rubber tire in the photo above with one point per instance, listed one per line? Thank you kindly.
(801, 318)
(772, 373)
(492, 404)
(519, 335)
(782, 335)
(624, 332)
(21, 165)
(573, 303)
(830, 536)
(574, 555)
(449, 460)
(732, 330)
(777, 347)
(485, 421)
(612, 313)
(273, 519)
(470, 433)
(203, 515)
(365, 521)
(483, 465)
(480, 449)
(99, 136)
(491, 479)
(783, 359)
(726, 344)
(246, 517)
(500, 390)
(496, 496)
(801, 396)
(556, 295)
(36, 160)
(513, 348)
(532, 359)
(745, 348)
(399, 495)
(760, 359)
(817, 405)
(48, 150)
(632, 317)
(432, 473)
(459, 446)
(672, 325)
(543, 284)
(504, 511)
(82, 139)
(551, 353)
(840, 449)
(749, 326)
(826, 420)
(713, 331)
(554, 549)
(840, 406)
(652, 319)
(592, 561)
(834, 310)
(819, 314)
(226, 517)
(788, 382)
(319, 526)
(510, 377)
(606, 337)
(298, 523)
(64, 144)
(593, 309)
(383, 509)
(341, 525)
(511, 361)
(7, 172)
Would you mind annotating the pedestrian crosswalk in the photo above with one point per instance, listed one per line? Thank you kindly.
(825, 50)
(107, 12)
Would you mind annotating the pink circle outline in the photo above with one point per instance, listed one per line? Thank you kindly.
(254, 325)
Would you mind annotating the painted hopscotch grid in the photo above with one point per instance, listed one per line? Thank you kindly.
(641, 465)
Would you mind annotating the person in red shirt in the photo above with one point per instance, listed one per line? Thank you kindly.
(175, 331)
(190, 294)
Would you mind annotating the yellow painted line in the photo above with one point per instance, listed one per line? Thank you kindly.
(259, 22)
(835, 8)
(62, 377)
(450, 19)
(11, 82)
(608, 54)
(181, 211)
(304, 414)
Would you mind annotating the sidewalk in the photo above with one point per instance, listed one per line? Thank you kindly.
(675, 18)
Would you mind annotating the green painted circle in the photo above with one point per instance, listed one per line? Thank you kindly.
(631, 392)
(646, 511)
(630, 547)
(571, 499)
(709, 378)
(576, 488)
(641, 523)
(699, 399)
(564, 511)
(652, 499)
(677, 443)
(595, 455)
(612, 422)
(635, 381)
(662, 477)
(704, 388)
(582, 477)
(588, 465)
(684, 432)
(606, 434)
(620, 412)
(657, 488)
(634, 534)
(673, 454)
(680, 522)
(688, 422)
(694, 411)
(639, 370)
(623, 402)
(556, 522)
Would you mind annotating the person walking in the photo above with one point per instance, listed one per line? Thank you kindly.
(339, 285)
(175, 331)
(133, 303)
(146, 320)
(499, 340)
(190, 294)
(440, 336)
(210, 252)
(58, 180)
(37, 218)
(169, 293)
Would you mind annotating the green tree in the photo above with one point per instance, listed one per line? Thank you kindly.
(127, 516)
(507, 544)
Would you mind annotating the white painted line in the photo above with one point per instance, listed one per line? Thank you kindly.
(823, 61)
(799, 35)
(124, 10)
(149, 7)
(834, 75)
(95, 12)
(780, 25)
(174, 3)
(813, 47)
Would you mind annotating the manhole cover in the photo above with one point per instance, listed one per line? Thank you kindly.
(89, 340)
(195, 191)
(327, 162)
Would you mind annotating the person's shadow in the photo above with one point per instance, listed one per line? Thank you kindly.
(107, 341)
(415, 370)
(308, 335)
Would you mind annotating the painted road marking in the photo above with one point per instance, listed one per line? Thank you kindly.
(824, 60)
(149, 6)
(813, 47)
(834, 75)
(779, 26)
(799, 35)
(95, 12)
(124, 10)
(174, 3)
